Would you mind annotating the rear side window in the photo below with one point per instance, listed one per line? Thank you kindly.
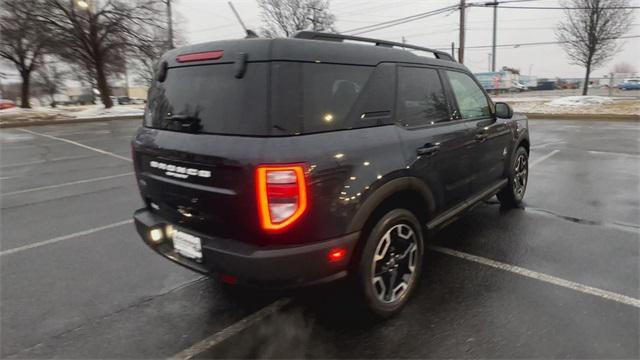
(472, 102)
(330, 91)
(421, 97)
(311, 97)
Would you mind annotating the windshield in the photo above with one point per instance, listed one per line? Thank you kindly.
(274, 98)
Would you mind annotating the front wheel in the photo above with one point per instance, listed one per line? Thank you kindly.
(511, 195)
(391, 262)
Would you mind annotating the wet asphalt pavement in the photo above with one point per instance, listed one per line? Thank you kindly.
(76, 281)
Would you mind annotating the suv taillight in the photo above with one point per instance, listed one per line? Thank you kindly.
(282, 195)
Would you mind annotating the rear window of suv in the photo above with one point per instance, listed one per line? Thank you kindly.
(272, 98)
(222, 103)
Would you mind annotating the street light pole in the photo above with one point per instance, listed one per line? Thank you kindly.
(463, 6)
(495, 32)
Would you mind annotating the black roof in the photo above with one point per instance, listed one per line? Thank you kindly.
(317, 47)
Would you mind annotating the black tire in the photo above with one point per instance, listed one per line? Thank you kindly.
(511, 195)
(407, 262)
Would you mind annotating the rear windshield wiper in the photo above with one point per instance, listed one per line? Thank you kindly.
(185, 123)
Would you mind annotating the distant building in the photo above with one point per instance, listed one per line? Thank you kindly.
(506, 80)
(135, 92)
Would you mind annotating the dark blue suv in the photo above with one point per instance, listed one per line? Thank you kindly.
(286, 162)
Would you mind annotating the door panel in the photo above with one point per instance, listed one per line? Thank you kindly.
(492, 141)
(440, 156)
(435, 147)
(490, 136)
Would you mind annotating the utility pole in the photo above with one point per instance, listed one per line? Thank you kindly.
(463, 6)
(170, 24)
(453, 52)
(495, 32)
(404, 41)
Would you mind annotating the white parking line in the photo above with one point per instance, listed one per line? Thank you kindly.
(77, 144)
(232, 330)
(254, 318)
(541, 145)
(66, 184)
(614, 153)
(539, 160)
(62, 238)
(45, 161)
(623, 299)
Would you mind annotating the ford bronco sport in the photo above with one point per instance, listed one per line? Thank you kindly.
(287, 162)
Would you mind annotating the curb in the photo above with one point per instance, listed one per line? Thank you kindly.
(68, 121)
(589, 117)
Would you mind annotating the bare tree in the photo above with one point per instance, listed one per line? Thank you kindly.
(99, 35)
(283, 18)
(51, 78)
(148, 54)
(21, 40)
(590, 29)
(624, 68)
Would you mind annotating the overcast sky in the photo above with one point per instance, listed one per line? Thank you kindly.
(206, 20)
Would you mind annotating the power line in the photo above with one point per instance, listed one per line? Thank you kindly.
(399, 21)
(556, 7)
(531, 44)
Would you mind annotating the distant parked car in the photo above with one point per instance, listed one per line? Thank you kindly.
(6, 104)
(124, 100)
(629, 84)
(137, 101)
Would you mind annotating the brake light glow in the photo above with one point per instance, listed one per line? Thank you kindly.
(201, 56)
(282, 195)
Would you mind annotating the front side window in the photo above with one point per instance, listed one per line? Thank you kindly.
(421, 98)
(472, 102)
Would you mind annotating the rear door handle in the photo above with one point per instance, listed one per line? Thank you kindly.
(481, 136)
(428, 149)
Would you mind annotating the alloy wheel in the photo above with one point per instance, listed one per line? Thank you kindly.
(521, 170)
(394, 263)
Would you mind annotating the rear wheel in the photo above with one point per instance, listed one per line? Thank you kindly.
(391, 262)
(511, 195)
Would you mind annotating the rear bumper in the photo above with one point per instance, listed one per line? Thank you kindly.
(265, 267)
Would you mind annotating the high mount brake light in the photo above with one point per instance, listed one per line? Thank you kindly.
(282, 195)
(201, 56)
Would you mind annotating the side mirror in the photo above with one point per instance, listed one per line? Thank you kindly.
(503, 110)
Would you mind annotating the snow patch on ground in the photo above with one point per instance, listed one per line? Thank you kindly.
(580, 101)
(19, 115)
(99, 111)
(574, 105)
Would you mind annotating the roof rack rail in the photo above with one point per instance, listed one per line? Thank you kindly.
(313, 35)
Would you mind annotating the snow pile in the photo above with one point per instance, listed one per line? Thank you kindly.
(519, 98)
(97, 111)
(34, 113)
(580, 101)
(17, 115)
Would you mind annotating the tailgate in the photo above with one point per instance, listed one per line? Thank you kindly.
(191, 180)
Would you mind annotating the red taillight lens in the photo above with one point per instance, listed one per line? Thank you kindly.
(282, 195)
(202, 56)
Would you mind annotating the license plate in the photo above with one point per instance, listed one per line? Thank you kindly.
(187, 245)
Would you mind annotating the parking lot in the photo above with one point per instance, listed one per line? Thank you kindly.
(557, 279)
